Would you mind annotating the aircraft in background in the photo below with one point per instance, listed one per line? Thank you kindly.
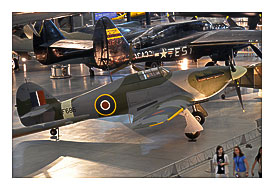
(140, 94)
(254, 18)
(174, 41)
(21, 45)
(122, 15)
(22, 38)
(193, 40)
(200, 40)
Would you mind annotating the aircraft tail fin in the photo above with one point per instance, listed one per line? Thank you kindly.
(111, 49)
(45, 34)
(35, 105)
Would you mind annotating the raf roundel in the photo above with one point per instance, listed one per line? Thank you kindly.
(105, 105)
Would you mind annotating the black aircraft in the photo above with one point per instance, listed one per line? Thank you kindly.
(175, 41)
(200, 38)
(50, 46)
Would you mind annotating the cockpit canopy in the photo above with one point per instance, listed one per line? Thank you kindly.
(153, 73)
(172, 31)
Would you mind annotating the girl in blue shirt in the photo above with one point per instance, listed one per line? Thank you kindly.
(240, 165)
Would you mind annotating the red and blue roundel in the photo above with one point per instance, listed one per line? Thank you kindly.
(105, 105)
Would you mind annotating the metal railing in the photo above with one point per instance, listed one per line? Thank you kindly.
(188, 163)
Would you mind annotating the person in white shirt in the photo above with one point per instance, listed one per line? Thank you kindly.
(221, 162)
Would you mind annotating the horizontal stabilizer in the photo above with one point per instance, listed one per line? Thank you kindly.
(46, 126)
(37, 111)
(73, 44)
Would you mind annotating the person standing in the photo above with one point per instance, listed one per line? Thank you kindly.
(240, 165)
(258, 159)
(221, 162)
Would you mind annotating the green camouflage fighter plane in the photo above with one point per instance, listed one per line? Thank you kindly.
(153, 97)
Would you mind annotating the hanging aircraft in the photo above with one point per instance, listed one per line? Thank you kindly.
(122, 15)
(140, 94)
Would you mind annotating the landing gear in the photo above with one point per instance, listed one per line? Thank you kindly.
(213, 63)
(55, 132)
(92, 73)
(199, 117)
(60, 71)
(193, 136)
(149, 65)
(199, 113)
(226, 62)
(223, 96)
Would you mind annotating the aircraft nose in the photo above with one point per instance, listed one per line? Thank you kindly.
(240, 71)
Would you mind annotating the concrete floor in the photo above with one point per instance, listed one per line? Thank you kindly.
(108, 147)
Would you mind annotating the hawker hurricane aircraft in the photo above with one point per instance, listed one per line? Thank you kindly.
(153, 97)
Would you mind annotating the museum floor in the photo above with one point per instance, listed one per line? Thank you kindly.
(108, 147)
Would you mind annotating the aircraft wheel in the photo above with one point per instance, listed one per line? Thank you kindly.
(199, 117)
(193, 136)
(152, 64)
(155, 64)
(53, 131)
(15, 64)
(210, 64)
(223, 96)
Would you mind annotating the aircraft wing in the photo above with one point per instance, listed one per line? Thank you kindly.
(22, 18)
(73, 44)
(164, 112)
(224, 37)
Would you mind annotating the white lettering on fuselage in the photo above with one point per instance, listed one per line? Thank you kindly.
(176, 52)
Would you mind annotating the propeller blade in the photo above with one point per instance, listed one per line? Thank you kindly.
(256, 50)
(237, 72)
(231, 22)
(170, 18)
(238, 89)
